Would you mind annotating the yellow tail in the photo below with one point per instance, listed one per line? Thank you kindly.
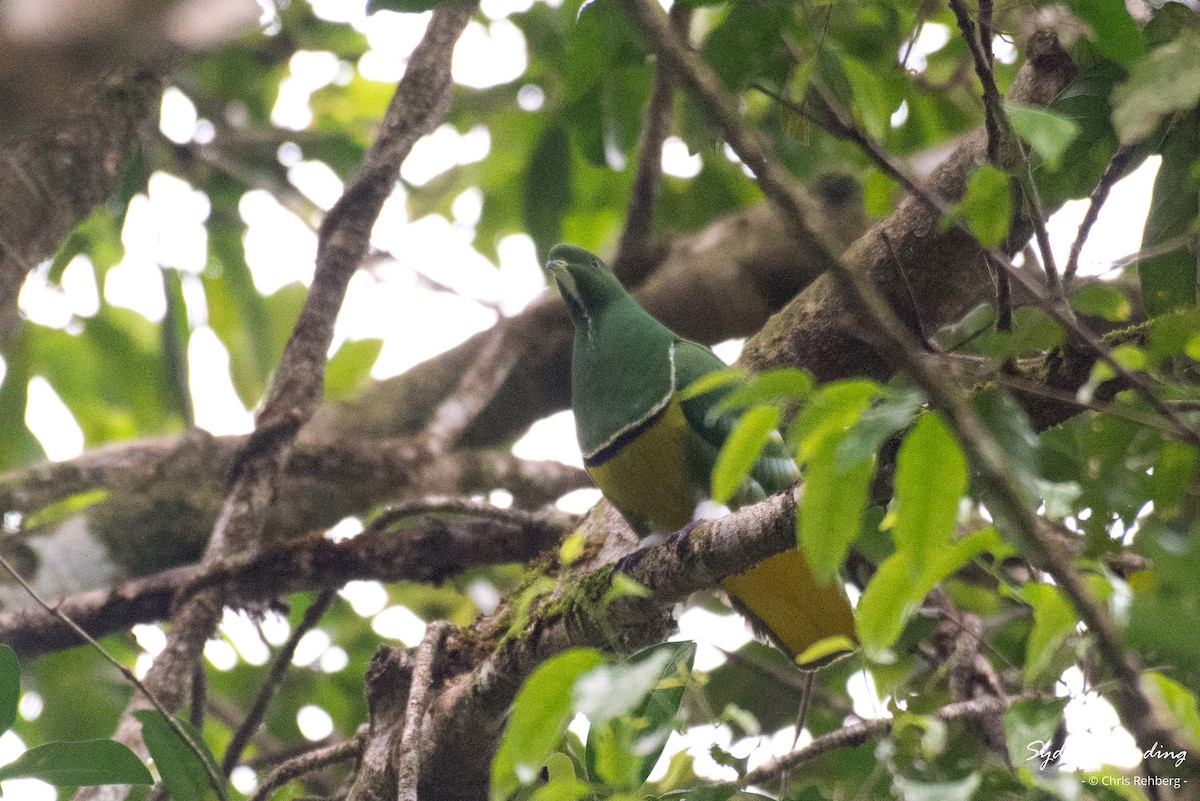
(783, 601)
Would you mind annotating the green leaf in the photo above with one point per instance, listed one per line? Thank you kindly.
(611, 690)
(181, 769)
(786, 384)
(901, 584)
(1166, 81)
(1169, 279)
(1102, 300)
(539, 717)
(741, 450)
(648, 691)
(79, 763)
(877, 424)
(10, 687)
(1029, 726)
(987, 205)
(832, 409)
(1177, 700)
(349, 366)
(1048, 133)
(831, 509)
(1053, 621)
(548, 188)
(1115, 32)
(710, 382)
(931, 476)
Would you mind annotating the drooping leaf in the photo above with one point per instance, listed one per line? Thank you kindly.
(647, 691)
(1048, 133)
(931, 476)
(1053, 621)
(181, 769)
(987, 205)
(831, 510)
(1169, 279)
(79, 763)
(741, 450)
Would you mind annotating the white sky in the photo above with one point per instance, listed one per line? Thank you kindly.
(166, 227)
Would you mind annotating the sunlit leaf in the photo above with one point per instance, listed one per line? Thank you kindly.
(831, 510)
(539, 717)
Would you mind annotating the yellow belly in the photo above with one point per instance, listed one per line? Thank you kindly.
(651, 482)
(649, 479)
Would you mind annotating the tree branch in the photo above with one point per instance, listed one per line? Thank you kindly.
(426, 549)
(57, 174)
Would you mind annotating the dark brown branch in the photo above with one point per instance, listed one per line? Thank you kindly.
(1114, 172)
(426, 549)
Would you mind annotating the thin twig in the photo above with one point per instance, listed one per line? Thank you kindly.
(199, 697)
(1114, 172)
(858, 733)
(985, 30)
(279, 668)
(643, 195)
(810, 681)
(408, 769)
(214, 779)
(918, 325)
(1004, 148)
(307, 763)
(999, 133)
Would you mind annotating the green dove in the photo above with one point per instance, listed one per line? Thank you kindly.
(651, 453)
